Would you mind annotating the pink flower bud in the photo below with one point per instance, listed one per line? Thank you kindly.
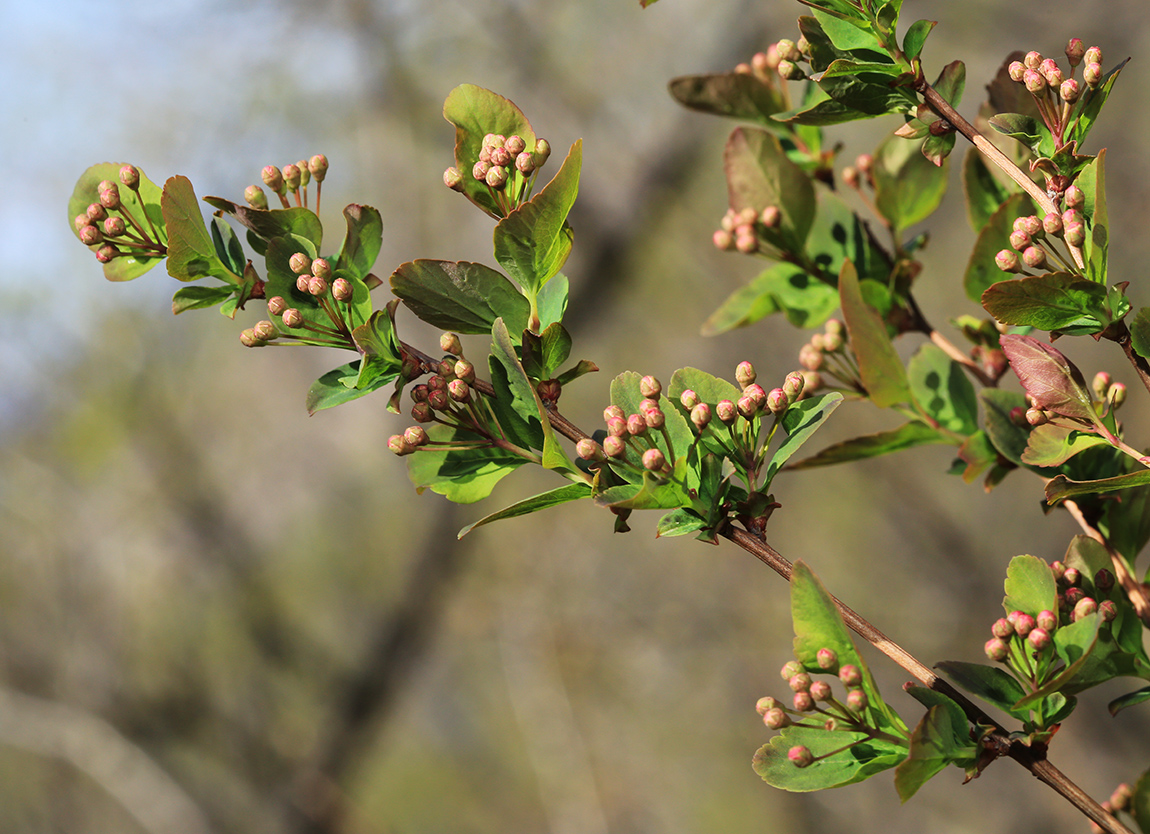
(857, 700)
(636, 425)
(1074, 198)
(766, 703)
(1019, 240)
(617, 427)
(777, 401)
(1047, 620)
(1007, 261)
(588, 449)
(300, 264)
(613, 411)
(650, 387)
(748, 408)
(1075, 50)
(1052, 223)
(1034, 82)
(800, 756)
(1092, 74)
(1083, 608)
(790, 669)
(827, 659)
(1108, 609)
(614, 447)
(398, 444)
(291, 175)
(1071, 576)
(771, 217)
(1034, 256)
(497, 177)
(810, 357)
(701, 415)
(1016, 70)
(293, 317)
(480, 169)
(464, 370)
(1104, 580)
(689, 399)
(1093, 55)
(110, 196)
(1033, 60)
(501, 157)
(850, 675)
(745, 374)
(1002, 628)
(525, 163)
(1023, 623)
(726, 412)
(1051, 72)
(107, 252)
(776, 719)
(276, 305)
(996, 649)
(439, 399)
(654, 460)
(820, 691)
(317, 287)
(747, 244)
(1039, 639)
(1074, 234)
(416, 436)
(800, 682)
(453, 179)
(542, 152)
(421, 412)
(655, 418)
(1068, 91)
(793, 384)
(317, 167)
(90, 235)
(129, 177)
(803, 702)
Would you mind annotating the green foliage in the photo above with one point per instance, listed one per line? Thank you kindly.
(143, 204)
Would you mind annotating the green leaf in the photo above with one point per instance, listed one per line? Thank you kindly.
(533, 241)
(195, 298)
(551, 498)
(863, 760)
(818, 625)
(1128, 700)
(228, 247)
(848, 33)
(1140, 802)
(937, 148)
(981, 270)
(652, 492)
(990, 683)
(376, 337)
(475, 112)
(984, 193)
(881, 370)
(915, 37)
(552, 301)
(1062, 487)
(806, 301)
(906, 436)
(1088, 106)
(1074, 644)
(516, 404)
(144, 208)
(1027, 130)
(1092, 181)
(337, 386)
(1057, 301)
(679, 522)
(460, 475)
(191, 252)
(823, 113)
(1051, 380)
(759, 175)
(362, 241)
(839, 234)
(800, 421)
(267, 225)
(460, 296)
(908, 187)
(1029, 586)
(1052, 445)
(942, 390)
(733, 94)
(932, 747)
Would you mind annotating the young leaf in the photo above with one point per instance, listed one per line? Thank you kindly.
(338, 386)
(916, 36)
(806, 301)
(191, 252)
(679, 522)
(362, 241)
(267, 225)
(1092, 181)
(942, 390)
(475, 112)
(196, 298)
(1051, 380)
(1057, 301)
(1062, 487)
(534, 240)
(124, 267)
(1052, 445)
(464, 297)
(906, 436)
(1130, 699)
(908, 187)
(552, 301)
(460, 475)
(800, 421)
(934, 744)
(551, 498)
(990, 683)
(881, 370)
(1029, 586)
(760, 175)
(228, 247)
(516, 404)
(1027, 130)
(984, 193)
(733, 94)
(859, 762)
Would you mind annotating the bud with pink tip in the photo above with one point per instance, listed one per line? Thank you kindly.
(810, 357)
(1083, 608)
(767, 703)
(399, 444)
(588, 449)
(1116, 394)
(800, 756)
(777, 401)
(748, 408)
(317, 287)
(81, 220)
(421, 412)
(1016, 70)
(726, 411)
(1093, 55)
(770, 217)
(701, 416)
(464, 370)
(501, 158)
(1069, 91)
(110, 196)
(342, 290)
(1104, 580)
(107, 252)
(689, 399)
(416, 436)
(799, 682)
(996, 649)
(1033, 60)
(1092, 75)
(1047, 620)
(1019, 240)
(820, 691)
(614, 447)
(803, 702)
(827, 659)
(1051, 72)
(129, 177)
(1075, 50)
(850, 675)
(1034, 256)
(613, 411)
(276, 305)
(1035, 83)
(302, 281)
(790, 669)
(745, 374)
(453, 179)
(293, 317)
(636, 425)
(255, 197)
(1052, 223)
(1071, 576)
(1007, 261)
(776, 719)
(1074, 234)
(746, 244)
(1108, 609)
(439, 399)
(793, 385)
(300, 263)
(320, 268)
(265, 331)
(654, 460)
(496, 177)
(617, 427)
(857, 700)
(655, 418)
(291, 176)
(649, 386)
(90, 235)
(1038, 639)
(542, 152)
(459, 391)
(1002, 628)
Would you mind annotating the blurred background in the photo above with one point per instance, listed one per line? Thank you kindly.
(220, 615)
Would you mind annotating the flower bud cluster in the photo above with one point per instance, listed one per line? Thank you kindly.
(1056, 92)
(860, 174)
(110, 229)
(828, 354)
(813, 702)
(1032, 240)
(790, 55)
(292, 178)
(506, 168)
(639, 440)
(748, 231)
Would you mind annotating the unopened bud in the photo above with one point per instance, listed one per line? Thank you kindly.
(617, 427)
(1074, 198)
(496, 177)
(255, 197)
(1069, 91)
(1052, 223)
(1039, 639)
(802, 701)
(129, 177)
(342, 290)
(1120, 799)
(292, 317)
(850, 675)
(778, 401)
(1034, 81)
(588, 449)
(613, 411)
(317, 287)
(90, 235)
(1034, 256)
(1093, 55)
(654, 460)
(788, 51)
(1047, 620)
(1019, 239)
(827, 659)
(747, 244)
(1100, 384)
(302, 281)
(291, 176)
(767, 703)
(1108, 609)
(857, 700)
(1002, 628)
(300, 264)
(614, 447)
(106, 253)
(701, 415)
(636, 425)
(416, 436)
(810, 357)
(996, 649)
(1051, 72)
(850, 176)
(776, 719)
(320, 268)
(1074, 234)
(793, 384)
(770, 217)
(480, 169)
(400, 445)
(276, 305)
(1104, 580)
(459, 391)
(304, 173)
(421, 412)
(748, 407)
(1033, 60)
(1116, 394)
(1007, 261)
(800, 756)
(542, 152)
(790, 669)
(689, 399)
(248, 338)
(1092, 74)
(820, 691)
(438, 399)
(453, 179)
(317, 166)
(791, 71)
(726, 412)
(110, 196)
(1016, 70)
(265, 331)
(464, 370)
(1083, 608)
(655, 418)
(649, 386)
(501, 158)
(745, 374)
(1075, 50)
(273, 178)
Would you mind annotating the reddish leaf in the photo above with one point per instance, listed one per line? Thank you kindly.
(1052, 381)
